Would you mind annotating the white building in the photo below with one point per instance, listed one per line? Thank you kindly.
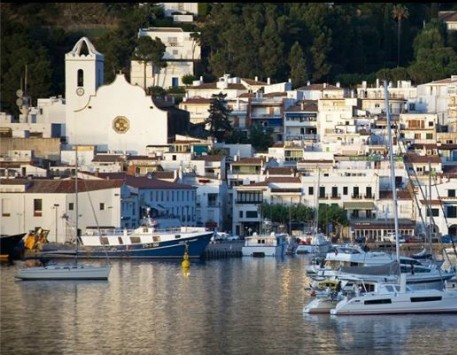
(181, 53)
(128, 118)
(51, 204)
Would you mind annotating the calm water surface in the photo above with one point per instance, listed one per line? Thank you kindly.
(229, 306)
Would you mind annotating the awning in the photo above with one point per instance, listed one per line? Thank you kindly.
(359, 205)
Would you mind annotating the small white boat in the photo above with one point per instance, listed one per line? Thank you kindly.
(64, 272)
(265, 245)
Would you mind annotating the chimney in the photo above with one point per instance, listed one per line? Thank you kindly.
(325, 85)
(338, 85)
(268, 81)
(256, 78)
(308, 83)
(377, 83)
(302, 105)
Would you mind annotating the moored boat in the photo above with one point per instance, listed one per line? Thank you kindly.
(10, 245)
(144, 242)
(273, 244)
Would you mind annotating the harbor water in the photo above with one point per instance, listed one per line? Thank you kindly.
(239, 305)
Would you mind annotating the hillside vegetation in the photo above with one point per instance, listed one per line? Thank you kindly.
(317, 42)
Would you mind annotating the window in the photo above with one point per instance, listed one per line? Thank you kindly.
(71, 206)
(37, 207)
(345, 190)
(356, 191)
(251, 214)
(322, 191)
(241, 214)
(368, 192)
(450, 193)
(80, 79)
(452, 211)
(6, 208)
(435, 212)
(310, 190)
(102, 206)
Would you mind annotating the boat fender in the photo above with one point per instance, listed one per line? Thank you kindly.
(313, 293)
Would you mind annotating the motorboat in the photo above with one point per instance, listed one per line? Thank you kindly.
(315, 244)
(272, 244)
(396, 298)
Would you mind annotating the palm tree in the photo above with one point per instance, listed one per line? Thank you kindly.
(399, 12)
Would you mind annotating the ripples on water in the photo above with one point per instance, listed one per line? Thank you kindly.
(230, 306)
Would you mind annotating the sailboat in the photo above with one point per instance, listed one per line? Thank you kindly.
(396, 297)
(317, 242)
(69, 271)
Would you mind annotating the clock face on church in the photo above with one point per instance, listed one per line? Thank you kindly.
(121, 124)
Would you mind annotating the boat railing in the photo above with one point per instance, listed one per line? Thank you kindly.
(146, 229)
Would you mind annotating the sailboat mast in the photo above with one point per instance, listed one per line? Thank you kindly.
(317, 199)
(76, 203)
(392, 171)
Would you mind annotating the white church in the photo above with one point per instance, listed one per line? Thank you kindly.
(117, 116)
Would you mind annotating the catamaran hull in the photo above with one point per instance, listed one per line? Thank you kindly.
(163, 250)
(417, 303)
(64, 272)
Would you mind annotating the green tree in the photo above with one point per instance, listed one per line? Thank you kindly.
(333, 214)
(297, 64)
(260, 138)
(150, 51)
(218, 119)
(188, 79)
(433, 58)
(399, 13)
(196, 41)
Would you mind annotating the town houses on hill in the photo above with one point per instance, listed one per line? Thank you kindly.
(136, 156)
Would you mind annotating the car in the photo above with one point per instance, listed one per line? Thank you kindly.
(390, 237)
(233, 238)
(219, 236)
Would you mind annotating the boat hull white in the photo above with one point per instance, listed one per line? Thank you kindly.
(64, 272)
(417, 302)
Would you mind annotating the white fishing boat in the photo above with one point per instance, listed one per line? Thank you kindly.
(396, 297)
(273, 244)
(73, 271)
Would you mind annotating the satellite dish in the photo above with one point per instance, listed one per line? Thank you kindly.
(19, 102)
(19, 93)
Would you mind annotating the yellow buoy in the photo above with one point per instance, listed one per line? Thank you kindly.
(185, 264)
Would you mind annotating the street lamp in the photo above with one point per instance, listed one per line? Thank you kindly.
(56, 207)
